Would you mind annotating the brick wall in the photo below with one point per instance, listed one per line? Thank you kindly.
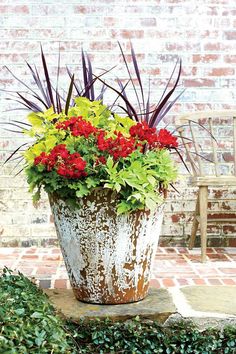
(202, 33)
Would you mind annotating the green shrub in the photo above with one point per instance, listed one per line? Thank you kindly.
(27, 321)
(28, 324)
(147, 337)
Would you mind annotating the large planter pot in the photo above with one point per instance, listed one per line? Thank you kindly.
(108, 256)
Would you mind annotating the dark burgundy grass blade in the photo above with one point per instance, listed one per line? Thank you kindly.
(203, 127)
(90, 78)
(21, 170)
(19, 122)
(181, 158)
(100, 96)
(168, 82)
(20, 81)
(14, 152)
(166, 109)
(49, 87)
(124, 93)
(130, 76)
(58, 100)
(134, 114)
(148, 104)
(20, 158)
(14, 125)
(84, 67)
(33, 106)
(43, 89)
(28, 108)
(38, 82)
(135, 63)
(88, 88)
(155, 119)
(79, 91)
(69, 95)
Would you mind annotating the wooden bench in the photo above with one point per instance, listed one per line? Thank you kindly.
(205, 158)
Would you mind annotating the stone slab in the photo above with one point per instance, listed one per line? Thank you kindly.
(218, 299)
(158, 305)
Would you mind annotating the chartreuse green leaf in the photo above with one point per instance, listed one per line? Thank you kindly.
(35, 120)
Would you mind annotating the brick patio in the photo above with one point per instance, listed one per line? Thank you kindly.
(173, 266)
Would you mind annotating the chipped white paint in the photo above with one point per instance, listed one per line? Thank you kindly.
(108, 257)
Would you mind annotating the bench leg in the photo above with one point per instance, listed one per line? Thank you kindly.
(203, 200)
(195, 225)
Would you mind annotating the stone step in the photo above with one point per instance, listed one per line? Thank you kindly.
(205, 306)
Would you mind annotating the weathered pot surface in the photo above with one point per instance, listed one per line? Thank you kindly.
(108, 256)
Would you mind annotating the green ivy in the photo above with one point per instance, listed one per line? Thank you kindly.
(27, 320)
(28, 324)
(148, 337)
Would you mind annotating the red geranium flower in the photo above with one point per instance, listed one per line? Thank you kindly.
(78, 126)
(66, 164)
(166, 139)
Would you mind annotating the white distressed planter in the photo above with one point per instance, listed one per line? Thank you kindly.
(108, 257)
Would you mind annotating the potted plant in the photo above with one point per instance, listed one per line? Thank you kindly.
(106, 177)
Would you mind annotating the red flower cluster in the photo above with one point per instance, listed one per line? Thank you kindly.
(166, 139)
(78, 126)
(118, 147)
(100, 160)
(143, 132)
(66, 164)
(162, 139)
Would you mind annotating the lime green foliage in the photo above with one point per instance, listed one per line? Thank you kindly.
(138, 182)
(138, 178)
(27, 321)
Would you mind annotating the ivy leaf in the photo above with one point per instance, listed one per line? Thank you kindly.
(82, 190)
(151, 180)
(123, 207)
(150, 203)
(36, 315)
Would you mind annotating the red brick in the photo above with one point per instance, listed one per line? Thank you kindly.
(230, 35)
(30, 256)
(207, 58)
(232, 242)
(229, 229)
(199, 281)
(199, 83)
(168, 282)
(221, 72)
(52, 257)
(31, 251)
(171, 250)
(228, 281)
(129, 34)
(60, 284)
(110, 21)
(18, 9)
(46, 270)
(231, 59)
(154, 283)
(102, 45)
(56, 251)
(228, 271)
(182, 281)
